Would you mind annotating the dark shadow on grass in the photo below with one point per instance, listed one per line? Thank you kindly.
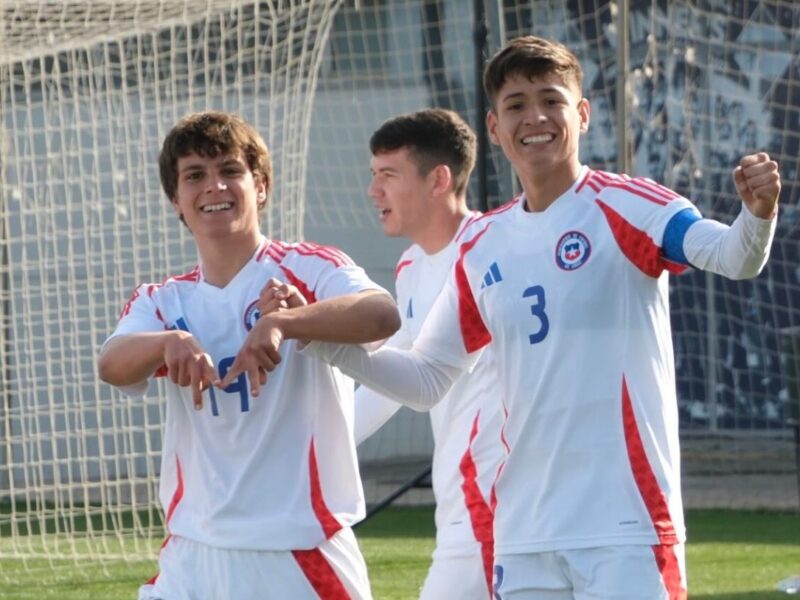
(409, 522)
(735, 526)
(756, 595)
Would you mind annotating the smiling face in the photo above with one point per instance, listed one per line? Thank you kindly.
(538, 123)
(218, 197)
(400, 192)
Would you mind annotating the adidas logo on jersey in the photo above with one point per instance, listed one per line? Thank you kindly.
(492, 276)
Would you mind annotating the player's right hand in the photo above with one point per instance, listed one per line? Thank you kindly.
(258, 355)
(188, 365)
(279, 296)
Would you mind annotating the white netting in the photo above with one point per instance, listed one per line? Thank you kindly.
(87, 92)
(707, 82)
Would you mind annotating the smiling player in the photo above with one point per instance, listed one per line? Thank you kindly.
(259, 479)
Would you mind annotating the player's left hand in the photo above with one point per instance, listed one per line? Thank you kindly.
(759, 184)
(258, 355)
(277, 295)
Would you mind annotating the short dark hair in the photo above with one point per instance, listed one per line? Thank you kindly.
(210, 134)
(531, 57)
(433, 136)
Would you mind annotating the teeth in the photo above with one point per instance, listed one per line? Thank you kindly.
(537, 139)
(216, 207)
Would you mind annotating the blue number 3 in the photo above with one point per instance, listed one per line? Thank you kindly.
(536, 292)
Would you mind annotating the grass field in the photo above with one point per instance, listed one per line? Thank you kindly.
(731, 555)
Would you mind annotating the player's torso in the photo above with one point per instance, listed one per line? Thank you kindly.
(571, 318)
(256, 472)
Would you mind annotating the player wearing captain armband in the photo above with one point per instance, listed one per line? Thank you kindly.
(259, 477)
(568, 284)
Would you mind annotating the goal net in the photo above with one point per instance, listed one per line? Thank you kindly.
(88, 90)
(706, 83)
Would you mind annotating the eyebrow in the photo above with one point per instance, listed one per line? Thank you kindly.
(384, 170)
(540, 92)
(202, 166)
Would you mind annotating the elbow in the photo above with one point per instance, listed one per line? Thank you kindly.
(388, 322)
(105, 369)
(384, 318)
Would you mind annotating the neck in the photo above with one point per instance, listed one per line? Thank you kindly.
(222, 259)
(543, 187)
(442, 226)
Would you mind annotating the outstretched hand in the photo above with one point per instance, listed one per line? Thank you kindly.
(188, 365)
(759, 184)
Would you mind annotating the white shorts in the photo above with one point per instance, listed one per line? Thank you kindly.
(611, 573)
(335, 570)
(457, 577)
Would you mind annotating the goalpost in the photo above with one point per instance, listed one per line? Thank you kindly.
(88, 89)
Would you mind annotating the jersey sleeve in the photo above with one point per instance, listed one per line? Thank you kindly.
(638, 212)
(139, 315)
(738, 251)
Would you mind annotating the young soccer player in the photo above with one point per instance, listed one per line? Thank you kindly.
(569, 283)
(259, 479)
(421, 163)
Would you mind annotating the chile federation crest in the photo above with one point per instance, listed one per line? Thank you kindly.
(572, 250)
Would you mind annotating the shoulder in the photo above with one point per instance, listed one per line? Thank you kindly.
(410, 257)
(171, 282)
(305, 253)
(607, 186)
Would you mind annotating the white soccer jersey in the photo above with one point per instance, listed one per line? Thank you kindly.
(273, 472)
(575, 300)
(466, 424)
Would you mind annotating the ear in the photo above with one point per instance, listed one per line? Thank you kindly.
(443, 179)
(491, 126)
(175, 206)
(261, 193)
(585, 111)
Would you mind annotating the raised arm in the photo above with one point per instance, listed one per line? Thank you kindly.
(739, 250)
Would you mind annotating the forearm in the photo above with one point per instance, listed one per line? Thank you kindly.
(737, 252)
(352, 319)
(403, 376)
(131, 359)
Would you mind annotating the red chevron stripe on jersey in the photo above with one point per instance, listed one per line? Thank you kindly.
(301, 285)
(637, 246)
(670, 571)
(400, 266)
(474, 332)
(278, 251)
(646, 480)
(320, 574)
(480, 513)
(326, 519)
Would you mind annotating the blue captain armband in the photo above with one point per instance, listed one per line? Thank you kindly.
(674, 234)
